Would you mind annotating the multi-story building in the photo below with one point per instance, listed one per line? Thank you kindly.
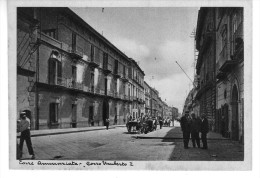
(148, 99)
(230, 72)
(154, 102)
(175, 113)
(220, 66)
(69, 75)
(137, 85)
(205, 67)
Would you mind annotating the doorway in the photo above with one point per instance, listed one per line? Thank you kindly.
(235, 116)
(74, 116)
(91, 115)
(105, 112)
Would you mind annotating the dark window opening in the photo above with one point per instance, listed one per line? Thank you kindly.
(55, 72)
(50, 32)
(54, 112)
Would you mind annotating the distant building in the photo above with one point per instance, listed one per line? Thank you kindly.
(154, 102)
(148, 106)
(137, 86)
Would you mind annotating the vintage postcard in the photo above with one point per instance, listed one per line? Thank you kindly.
(130, 86)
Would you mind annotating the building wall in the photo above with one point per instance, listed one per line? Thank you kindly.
(233, 77)
(26, 55)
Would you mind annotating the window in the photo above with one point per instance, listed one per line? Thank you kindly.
(74, 39)
(92, 80)
(74, 75)
(50, 32)
(54, 110)
(55, 72)
(105, 60)
(92, 52)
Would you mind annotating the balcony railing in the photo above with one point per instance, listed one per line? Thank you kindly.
(69, 83)
(76, 51)
(239, 43)
(107, 68)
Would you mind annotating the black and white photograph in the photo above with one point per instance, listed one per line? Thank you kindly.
(123, 87)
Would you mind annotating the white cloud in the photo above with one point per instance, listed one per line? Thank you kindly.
(131, 48)
(166, 54)
(173, 88)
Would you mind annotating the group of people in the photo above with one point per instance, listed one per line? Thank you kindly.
(192, 126)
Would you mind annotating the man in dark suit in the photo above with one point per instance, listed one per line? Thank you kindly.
(204, 131)
(185, 127)
(195, 130)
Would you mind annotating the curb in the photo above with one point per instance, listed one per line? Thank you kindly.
(67, 132)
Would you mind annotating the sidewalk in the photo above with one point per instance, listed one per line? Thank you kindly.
(37, 133)
(220, 148)
(175, 133)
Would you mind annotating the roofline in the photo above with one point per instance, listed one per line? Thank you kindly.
(137, 65)
(92, 30)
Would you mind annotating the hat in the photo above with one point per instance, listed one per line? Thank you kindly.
(23, 112)
(187, 112)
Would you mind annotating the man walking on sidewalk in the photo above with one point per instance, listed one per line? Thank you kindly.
(185, 127)
(204, 131)
(107, 123)
(24, 128)
(195, 130)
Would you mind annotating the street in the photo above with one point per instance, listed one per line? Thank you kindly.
(117, 144)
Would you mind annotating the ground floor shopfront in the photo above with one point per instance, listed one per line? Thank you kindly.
(59, 108)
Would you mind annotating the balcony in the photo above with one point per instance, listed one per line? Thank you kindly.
(239, 44)
(116, 95)
(110, 93)
(117, 74)
(107, 68)
(221, 75)
(42, 37)
(93, 63)
(69, 83)
(76, 52)
(124, 78)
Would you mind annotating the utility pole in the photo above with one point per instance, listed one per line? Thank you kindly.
(184, 72)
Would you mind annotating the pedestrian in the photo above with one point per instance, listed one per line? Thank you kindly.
(24, 127)
(204, 131)
(107, 123)
(185, 127)
(115, 120)
(161, 122)
(195, 130)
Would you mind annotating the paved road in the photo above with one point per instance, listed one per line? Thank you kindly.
(117, 144)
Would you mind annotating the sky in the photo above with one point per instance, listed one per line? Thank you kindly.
(155, 37)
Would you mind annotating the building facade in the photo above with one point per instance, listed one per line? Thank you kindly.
(220, 70)
(68, 75)
(205, 67)
(137, 85)
(230, 73)
(148, 99)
